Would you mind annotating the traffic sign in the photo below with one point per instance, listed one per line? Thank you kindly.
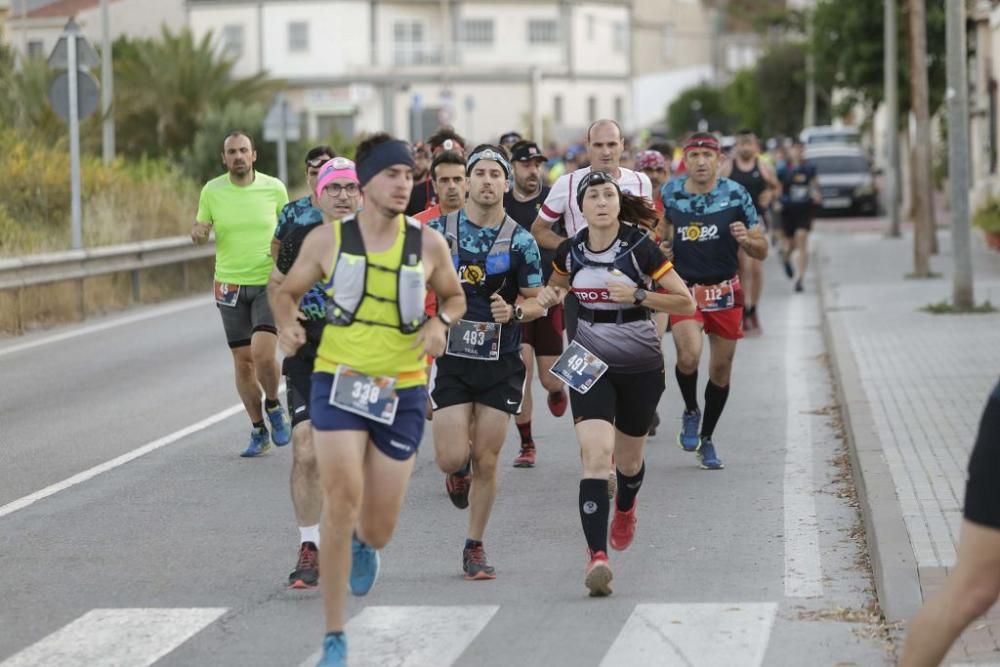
(86, 56)
(87, 95)
(272, 122)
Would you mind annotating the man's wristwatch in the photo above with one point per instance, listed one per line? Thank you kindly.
(444, 318)
(639, 295)
(518, 313)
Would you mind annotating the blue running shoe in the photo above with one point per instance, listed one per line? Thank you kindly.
(334, 650)
(364, 567)
(707, 457)
(688, 438)
(281, 430)
(259, 443)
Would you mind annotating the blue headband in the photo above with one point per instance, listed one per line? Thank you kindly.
(488, 154)
(384, 155)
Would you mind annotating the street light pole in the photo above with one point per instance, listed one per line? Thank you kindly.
(107, 86)
(958, 153)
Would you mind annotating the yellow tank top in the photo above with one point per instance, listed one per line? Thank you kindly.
(368, 348)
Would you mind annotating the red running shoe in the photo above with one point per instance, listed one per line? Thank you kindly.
(526, 458)
(557, 402)
(623, 528)
(457, 484)
(599, 575)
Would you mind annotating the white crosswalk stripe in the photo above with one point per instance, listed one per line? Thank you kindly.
(117, 638)
(694, 635)
(430, 636)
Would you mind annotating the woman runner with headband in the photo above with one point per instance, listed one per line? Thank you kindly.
(614, 362)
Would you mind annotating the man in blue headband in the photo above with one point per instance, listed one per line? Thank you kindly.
(369, 397)
(480, 378)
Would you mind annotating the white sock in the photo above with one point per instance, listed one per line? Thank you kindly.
(310, 534)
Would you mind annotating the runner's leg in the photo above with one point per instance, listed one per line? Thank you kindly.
(487, 441)
(246, 383)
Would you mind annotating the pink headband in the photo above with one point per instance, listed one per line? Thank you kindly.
(338, 167)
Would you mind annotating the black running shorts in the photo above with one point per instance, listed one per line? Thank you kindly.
(497, 384)
(982, 492)
(627, 400)
(249, 315)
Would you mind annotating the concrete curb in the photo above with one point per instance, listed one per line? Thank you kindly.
(894, 564)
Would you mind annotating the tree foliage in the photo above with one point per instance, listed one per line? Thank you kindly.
(702, 102)
(847, 40)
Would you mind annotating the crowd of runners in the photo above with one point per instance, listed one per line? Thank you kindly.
(435, 281)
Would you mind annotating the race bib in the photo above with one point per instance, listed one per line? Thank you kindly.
(579, 368)
(714, 297)
(799, 193)
(475, 340)
(226, 294)
(372, 397)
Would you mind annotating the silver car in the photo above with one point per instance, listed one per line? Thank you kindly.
(846, 179)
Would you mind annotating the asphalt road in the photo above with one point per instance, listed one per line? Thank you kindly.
(179, 556)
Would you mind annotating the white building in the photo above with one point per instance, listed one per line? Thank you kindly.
(541, 67)
(33, 27)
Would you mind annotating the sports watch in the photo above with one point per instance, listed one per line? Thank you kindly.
(518, 313)
(444, 318)
(640, 296)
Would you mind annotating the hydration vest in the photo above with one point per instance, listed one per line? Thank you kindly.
(624, 261)
(497, 259)
(348, 286)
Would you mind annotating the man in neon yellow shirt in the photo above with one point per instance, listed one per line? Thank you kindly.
(242, 206)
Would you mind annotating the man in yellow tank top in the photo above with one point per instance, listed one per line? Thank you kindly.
(369, 392)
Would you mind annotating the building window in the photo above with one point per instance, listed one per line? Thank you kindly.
(477, 31)
(669, 35)
(591, 109)
(232, 41)
(408, 43)
(298, 37)
(543, 31)
(36, 48)
(330, 126)
(557, 109)
(620, 38)
(619, 109)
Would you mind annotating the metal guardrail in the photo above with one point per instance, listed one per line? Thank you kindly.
(20, 272)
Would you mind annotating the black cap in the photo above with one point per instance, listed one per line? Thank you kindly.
(526, 151)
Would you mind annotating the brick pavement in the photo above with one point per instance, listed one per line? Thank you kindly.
(925, 378)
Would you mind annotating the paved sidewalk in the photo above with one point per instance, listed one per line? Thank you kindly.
(913, 386)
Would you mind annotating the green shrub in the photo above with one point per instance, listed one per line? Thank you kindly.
(987, 216)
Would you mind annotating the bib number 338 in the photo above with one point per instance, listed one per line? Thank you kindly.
(374, 398)
(579, 368)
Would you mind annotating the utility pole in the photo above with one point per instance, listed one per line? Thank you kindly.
(921, 152)
(958, 153)
(891, 84)
(76, 209)
(809, 119)
(107, 86)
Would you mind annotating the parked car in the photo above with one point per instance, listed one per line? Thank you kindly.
(825, 135)
(846, 179)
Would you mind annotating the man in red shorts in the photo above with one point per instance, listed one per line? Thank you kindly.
(542, 339)
(712, 218)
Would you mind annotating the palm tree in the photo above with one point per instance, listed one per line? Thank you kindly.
(164, 89)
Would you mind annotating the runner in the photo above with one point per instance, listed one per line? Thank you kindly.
(713, 218)
(336, 193)
(508, 139)
(446, 139)
(615, 288)
(799, 199)
(368, 394)
(973, 585)
(422, 194)
(448, 177)
(479, 382)
(242, 206)
(543, 338)
(303, 211)
(747, 169)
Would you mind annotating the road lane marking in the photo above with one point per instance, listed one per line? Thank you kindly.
(116, 462)
(117, 638)
(694, 635)
(430, 636)
(803, 565)
(170, 309)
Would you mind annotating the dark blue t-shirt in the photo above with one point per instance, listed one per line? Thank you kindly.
(482, 275)
(795, 185)
(705, 251)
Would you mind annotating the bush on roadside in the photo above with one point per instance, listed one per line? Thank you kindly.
(987, 216)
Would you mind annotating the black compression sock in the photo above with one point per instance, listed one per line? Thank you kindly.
(271, 404)
(594, 508)
(260, 425)
(472, 544)
(628, 488)
(715, 401)
(689, 388)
